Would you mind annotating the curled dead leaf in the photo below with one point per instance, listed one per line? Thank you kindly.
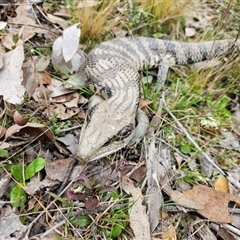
(9, 108)
(2, 131)
(36, 130)
(19, 119)
(62, 22)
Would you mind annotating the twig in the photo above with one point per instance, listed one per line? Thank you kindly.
(35, 15)
(64, 218)
(215, 227)
(88, 212)
(69, 129)
(26, 233)
(189, 137)
(232, 229)
(50, 230)
(43, 14)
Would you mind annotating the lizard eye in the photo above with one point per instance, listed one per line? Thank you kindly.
(123, 133)
(90, 113)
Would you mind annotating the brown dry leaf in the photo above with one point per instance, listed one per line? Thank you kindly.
(61, 99)
(19, 119)
(30, 76)
(82, 114)
(58, 88)
(235, 199)
(170, 234)
(31, 204)
(180, 199)
(137, 213)
(9, 108)
(66, 13)
(215, 202)
(144, 102)
(139, 174)
(7, 41)
(44, 78)
(57, 169)
(70, 100)
(41, 94)
(70, 141)
(27, 30)
(39, 131)
(221, 184)
(60, 21)
(63, 112)
(2, 131)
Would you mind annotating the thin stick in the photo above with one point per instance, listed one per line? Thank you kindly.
(190, 138)
(26, 233)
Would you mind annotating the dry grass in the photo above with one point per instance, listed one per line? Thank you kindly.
(98, 19)
(162, 9)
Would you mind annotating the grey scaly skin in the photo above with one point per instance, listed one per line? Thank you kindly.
(111, 71)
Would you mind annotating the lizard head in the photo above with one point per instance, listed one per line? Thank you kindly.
(105, 131)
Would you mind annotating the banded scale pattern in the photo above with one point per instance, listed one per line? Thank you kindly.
(141, 51)
(111, 71)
